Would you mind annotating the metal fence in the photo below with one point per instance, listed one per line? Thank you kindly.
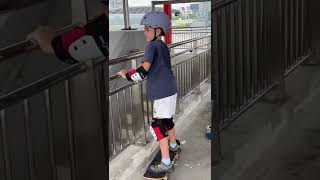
(182, 34)
(53, 128)
(191, 72)
(256, 43)
(130, 112)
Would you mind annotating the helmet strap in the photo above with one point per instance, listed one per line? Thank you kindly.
(155, 35)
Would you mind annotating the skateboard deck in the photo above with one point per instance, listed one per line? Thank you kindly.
(157, 159)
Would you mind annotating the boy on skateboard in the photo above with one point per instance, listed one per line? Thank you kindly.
(161, 86)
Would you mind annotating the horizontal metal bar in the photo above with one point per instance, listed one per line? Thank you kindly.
(140, 53)
(187, 41)
(288, 71)
(184, 32)
(41, 84)
(122, 88)
(182, 52)
(23, 46)
(113, 77)
(183, 60)
(14, 49)
(192, 30)
(191, 27)
(221, 4)
(202, 45)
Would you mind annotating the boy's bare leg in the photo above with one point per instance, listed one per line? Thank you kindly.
(164, 148)
(172, 136)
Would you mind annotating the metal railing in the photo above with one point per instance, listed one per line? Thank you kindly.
(256, 43)
(130, 111)
(53, 128)
(182, 34)
(24, 46)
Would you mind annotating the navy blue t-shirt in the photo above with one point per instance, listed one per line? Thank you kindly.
(161, 82)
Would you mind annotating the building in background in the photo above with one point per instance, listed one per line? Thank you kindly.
(115, 4)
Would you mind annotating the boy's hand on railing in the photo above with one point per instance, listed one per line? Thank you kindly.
(122, 73)
(42, 36)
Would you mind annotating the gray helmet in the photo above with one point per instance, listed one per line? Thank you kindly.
(156, 19)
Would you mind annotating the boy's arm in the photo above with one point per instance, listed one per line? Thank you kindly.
(146, 66)
(89, 41)
(136, 74)
(42, 36)
(141, 72)
(82, 43)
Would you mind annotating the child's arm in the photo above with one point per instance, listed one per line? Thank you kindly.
(136, 74)
(146, 66)
(86, 42)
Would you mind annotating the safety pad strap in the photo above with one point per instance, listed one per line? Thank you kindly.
(137, 75)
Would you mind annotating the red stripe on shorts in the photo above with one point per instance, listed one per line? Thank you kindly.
(158, 133)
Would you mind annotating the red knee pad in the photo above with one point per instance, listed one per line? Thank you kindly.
(158, 129)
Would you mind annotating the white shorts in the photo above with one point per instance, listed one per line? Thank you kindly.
(165, 107)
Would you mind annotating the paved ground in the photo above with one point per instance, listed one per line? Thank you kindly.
(277, 142)
(195, 158)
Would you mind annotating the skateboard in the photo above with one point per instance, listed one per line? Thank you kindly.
(160, 176)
